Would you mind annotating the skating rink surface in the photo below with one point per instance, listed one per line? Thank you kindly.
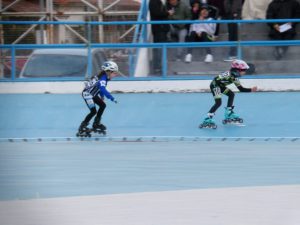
(155, 166)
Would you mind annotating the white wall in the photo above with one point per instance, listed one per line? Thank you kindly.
(145, 86)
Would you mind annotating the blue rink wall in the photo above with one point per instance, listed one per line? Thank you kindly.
(265, 114)
(55, 163)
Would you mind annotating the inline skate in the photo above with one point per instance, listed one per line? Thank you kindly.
(231, 117)
(208, 122)
(83, 130)
(99, 128)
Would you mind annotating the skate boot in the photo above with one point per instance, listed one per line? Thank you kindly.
(99, 128)
(231, 117)
(83, 130)
(208, 122)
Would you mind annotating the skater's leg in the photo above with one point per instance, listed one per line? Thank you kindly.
(83, 130)
(101, 109)
(209, 121)
(88, 98)
(89, 116)
(229, 113)
(230, 95)
(102, 106)
(214, 108)
(84, 124)
(217, 94)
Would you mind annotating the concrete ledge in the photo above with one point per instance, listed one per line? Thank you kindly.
(138, 139)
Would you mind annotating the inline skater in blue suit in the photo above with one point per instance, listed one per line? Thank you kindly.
(218, 86)
(93, 94)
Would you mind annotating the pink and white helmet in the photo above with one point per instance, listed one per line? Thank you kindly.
(239, 64)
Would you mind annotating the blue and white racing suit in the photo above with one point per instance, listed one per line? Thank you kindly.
(94, 93)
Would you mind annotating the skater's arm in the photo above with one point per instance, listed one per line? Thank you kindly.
(240, 87)
(102, 87)
(243, 89)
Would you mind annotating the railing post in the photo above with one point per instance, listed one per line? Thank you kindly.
(13, 63)
(131, 63)
(239, 48)
(164, 61)
(89, 52)
(145, 13)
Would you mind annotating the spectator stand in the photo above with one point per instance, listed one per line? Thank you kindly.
(253, 51)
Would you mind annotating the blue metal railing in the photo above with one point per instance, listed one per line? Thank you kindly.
(148, 22)
(140, 43)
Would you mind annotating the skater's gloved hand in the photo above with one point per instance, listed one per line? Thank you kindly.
(254, 89)
(115, 101)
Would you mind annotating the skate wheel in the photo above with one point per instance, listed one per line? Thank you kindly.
(224, 121)
(241, 120)
(214, 126)
(201, 126)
